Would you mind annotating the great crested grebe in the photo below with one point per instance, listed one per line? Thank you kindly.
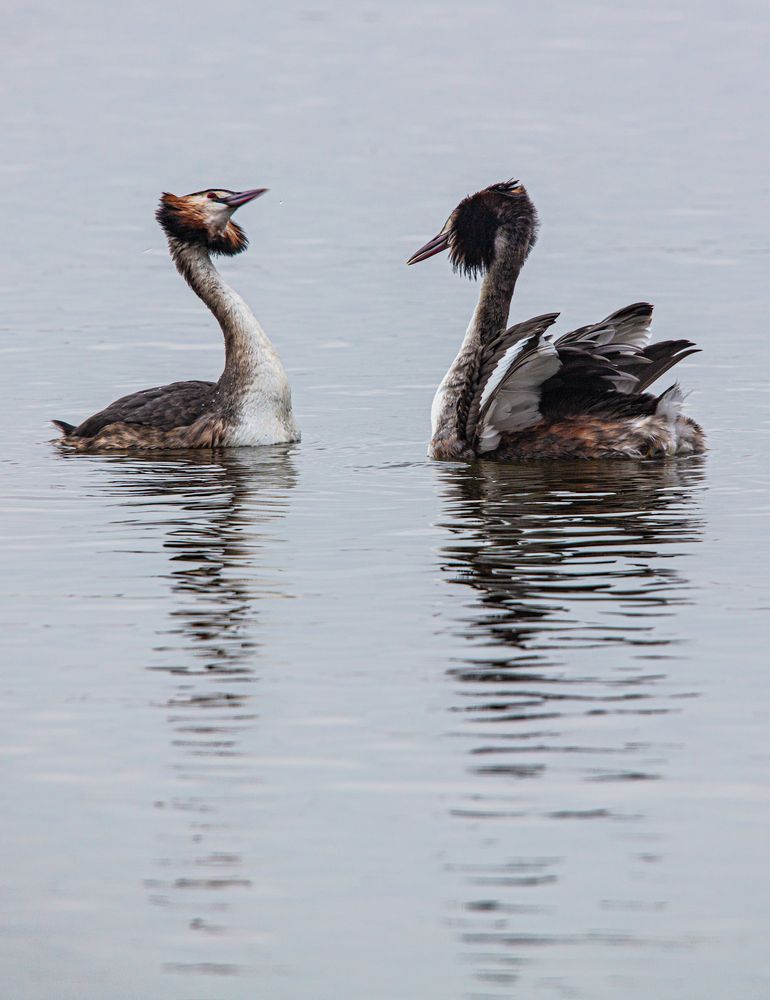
(251, 402)
(519, 394)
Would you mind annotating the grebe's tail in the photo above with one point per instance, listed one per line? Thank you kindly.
(64, 427)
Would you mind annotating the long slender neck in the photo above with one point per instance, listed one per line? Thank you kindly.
(491, 313)
(249, 355)
(453, 398)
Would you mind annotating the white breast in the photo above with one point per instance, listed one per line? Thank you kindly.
(264, 417)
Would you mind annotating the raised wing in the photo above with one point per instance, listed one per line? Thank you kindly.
(525, 376)
(656, 360)
(627, 328)
(624, 338)
(507, 394)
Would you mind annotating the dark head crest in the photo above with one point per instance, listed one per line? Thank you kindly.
(499, 219)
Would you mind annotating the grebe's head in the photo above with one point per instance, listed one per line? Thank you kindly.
(499, 221)
(204, 218)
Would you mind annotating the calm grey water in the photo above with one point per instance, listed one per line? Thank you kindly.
(333, 721)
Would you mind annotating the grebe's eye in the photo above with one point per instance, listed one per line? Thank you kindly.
(213, 195)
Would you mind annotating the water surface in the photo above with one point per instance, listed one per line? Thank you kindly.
(331, 720)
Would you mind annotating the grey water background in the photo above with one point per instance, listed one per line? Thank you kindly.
(333, 721)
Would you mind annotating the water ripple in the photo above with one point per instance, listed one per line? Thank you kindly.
(575, 575)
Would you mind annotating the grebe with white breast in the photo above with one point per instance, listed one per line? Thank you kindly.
(517, 393)
(251, 402)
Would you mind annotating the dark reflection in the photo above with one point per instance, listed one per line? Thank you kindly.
(217, 515)
(574, 574)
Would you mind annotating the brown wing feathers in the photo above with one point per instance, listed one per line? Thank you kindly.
(165, 407)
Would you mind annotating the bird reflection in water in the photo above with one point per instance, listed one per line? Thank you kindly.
(576, 572)
(217, 514)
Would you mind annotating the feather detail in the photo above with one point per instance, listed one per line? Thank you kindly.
(670, 402)
(497, 356)
(510, 401)
(655, 360)
(163, 408)
(629, 327)
(623, 339)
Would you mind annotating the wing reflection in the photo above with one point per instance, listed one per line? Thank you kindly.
(576, 573)
(218, 518)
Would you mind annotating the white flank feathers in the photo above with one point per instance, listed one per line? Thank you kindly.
(670, 403)
(501, 370)
(511, 398)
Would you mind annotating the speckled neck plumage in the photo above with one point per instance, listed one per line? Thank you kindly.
(452, 400)
(491, 313)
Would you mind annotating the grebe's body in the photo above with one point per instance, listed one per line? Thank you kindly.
(517, 393)
(251, 403)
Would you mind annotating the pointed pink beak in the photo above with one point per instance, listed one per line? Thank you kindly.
(431, 248)
(242, 197)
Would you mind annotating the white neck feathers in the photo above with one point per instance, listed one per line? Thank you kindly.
(253, 396)
(249, 354)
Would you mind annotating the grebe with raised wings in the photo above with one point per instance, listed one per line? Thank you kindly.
(251, 403)
(517, 393)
